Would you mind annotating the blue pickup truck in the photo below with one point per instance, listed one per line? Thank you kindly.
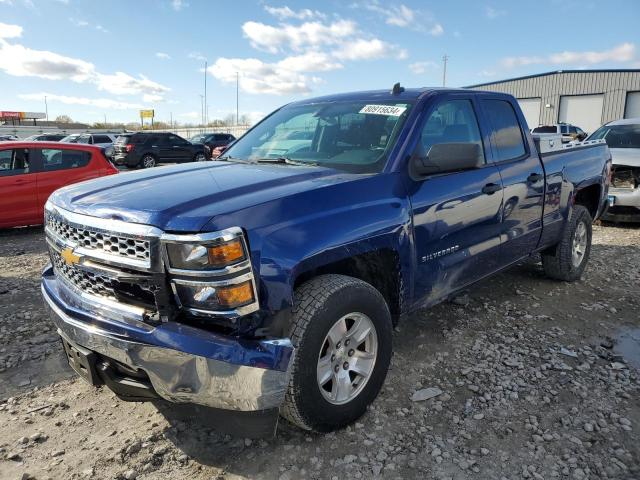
(270, 280)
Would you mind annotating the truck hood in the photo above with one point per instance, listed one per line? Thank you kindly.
(626, 156)
(184, 198)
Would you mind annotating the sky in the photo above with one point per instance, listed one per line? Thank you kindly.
(97, 60)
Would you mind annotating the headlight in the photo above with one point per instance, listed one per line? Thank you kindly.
(215, 297)
(200, 256)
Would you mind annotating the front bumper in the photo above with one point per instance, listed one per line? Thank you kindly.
(626, 205)
(183, 364)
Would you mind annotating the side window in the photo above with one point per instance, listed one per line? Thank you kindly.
(56, 159)
(564, 129)
(84, 139)
(14, 162)
(453, 121)
(506, 129)
(573, 130)
(101, 139)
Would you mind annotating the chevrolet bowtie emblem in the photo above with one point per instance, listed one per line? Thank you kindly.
(69, 257)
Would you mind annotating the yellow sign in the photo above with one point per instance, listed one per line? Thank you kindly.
(146, 114)
(69, 257)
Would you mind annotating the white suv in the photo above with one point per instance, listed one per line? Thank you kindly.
(98, 139)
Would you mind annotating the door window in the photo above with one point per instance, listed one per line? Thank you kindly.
(453, 121)
(507, 135)
(57, 159)
(14, 162)
(101, 139)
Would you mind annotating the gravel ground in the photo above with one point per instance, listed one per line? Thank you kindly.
(528, 378)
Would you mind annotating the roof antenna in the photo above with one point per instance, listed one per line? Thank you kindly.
(397, 89)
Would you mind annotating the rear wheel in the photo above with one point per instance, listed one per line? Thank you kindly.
(342, 333)
(148, 161)
(200, 157)
(568, 259)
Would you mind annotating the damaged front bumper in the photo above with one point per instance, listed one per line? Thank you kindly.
(173, 361)
(623, 205)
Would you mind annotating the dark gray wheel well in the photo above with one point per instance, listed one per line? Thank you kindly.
(380, 268)
(589, 197)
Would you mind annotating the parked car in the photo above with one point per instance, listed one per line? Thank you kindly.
(623, 138)
(271, 280)
(45, 137)
(218, 151)
(213, 140)
(8, 138)
(98, 139)
(73, 138)
(31, 171)
(569, 132)
(147, 149)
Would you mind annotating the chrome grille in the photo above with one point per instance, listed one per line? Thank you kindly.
(88, 282)
(118, 245)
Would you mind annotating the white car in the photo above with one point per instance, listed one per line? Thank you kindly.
(623, 138)
(98, 139)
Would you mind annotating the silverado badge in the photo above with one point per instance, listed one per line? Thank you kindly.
(69, 257)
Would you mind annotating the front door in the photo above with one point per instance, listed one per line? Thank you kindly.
(523, 180)
(18, 205)
(456, 216)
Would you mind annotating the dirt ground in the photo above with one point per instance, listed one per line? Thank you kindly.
(539, 379)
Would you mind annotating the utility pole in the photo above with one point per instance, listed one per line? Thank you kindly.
(201, 109)
(206, 119)
(237, 90)
(445, 59)
(46, 108)
(171, 119)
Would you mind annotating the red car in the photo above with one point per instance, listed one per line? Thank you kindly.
(31, 171)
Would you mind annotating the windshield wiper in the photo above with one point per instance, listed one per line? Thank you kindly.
(229, 158)
(285, 161)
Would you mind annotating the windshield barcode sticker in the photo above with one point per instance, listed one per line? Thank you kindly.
(383, 110)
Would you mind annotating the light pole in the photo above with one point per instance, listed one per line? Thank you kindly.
(205, 94)
(237, 90)
(201, 109)
(46, 108)
(445, 59)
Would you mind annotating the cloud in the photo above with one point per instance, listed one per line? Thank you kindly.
(421, 67)
(368, 50)
(197, 56)
(121, 83)
(309, 62)
(308, 35)
(492, 13)
(436, 30)
(152, 98)
(78, 22)
(624, 52)
(285, 12)
(163, 56)
(10, 31)
(20, 61)
(256, 76)
(105, 103)
(178, 5)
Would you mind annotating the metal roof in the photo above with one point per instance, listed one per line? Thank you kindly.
(555, 72)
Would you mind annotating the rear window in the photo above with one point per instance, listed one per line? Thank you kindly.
(123, 139)
(545, 129)
(506, 130)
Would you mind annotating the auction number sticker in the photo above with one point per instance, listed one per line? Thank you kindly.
(390, 110)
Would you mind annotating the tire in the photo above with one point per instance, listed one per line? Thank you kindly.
(319, 305)
(200, 157)
(559, 261)
(148, 161)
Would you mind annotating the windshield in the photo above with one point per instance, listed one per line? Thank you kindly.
(352, 136)
(619, 136)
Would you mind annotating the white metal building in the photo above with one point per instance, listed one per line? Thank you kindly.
(586, 98)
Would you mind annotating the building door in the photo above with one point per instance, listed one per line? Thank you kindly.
(531, 110)
(632, 107)
(585, 111)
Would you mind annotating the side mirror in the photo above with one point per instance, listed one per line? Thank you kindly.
(446, 157)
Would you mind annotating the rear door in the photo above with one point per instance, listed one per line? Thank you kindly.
(18, 187)
(456, 215)
(522, 178)
(59, 167)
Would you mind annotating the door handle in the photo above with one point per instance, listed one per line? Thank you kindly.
(491, 188)
(534, 177)
(20, 182)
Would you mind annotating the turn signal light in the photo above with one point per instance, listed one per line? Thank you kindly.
(226, 253)
(235, 295)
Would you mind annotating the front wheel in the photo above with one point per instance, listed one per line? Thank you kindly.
(200, 157)
(342, 330)
(568, 259)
